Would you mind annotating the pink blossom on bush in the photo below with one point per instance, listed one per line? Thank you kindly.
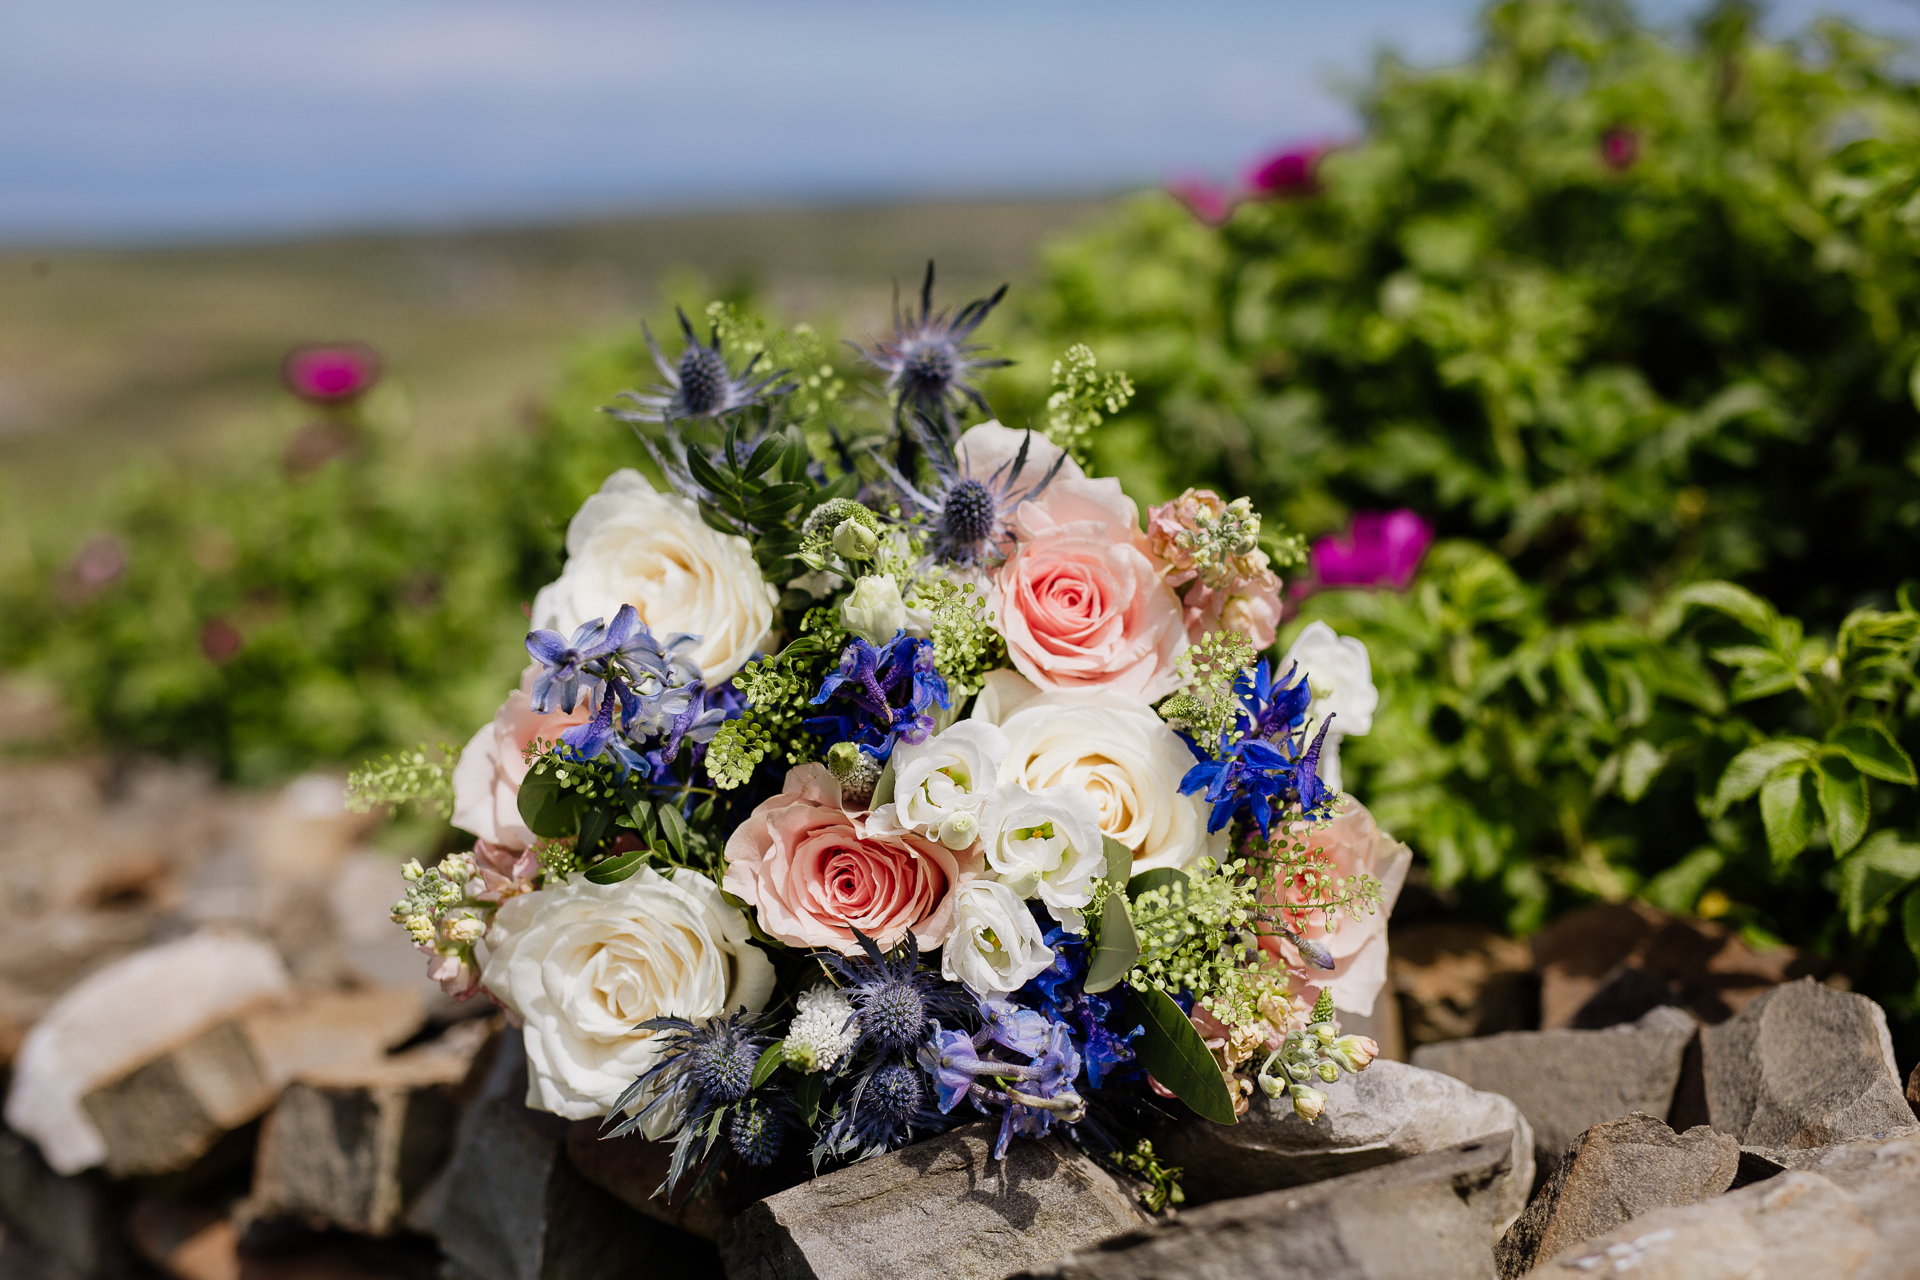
(1210, 202)
(331, 374)
(1381, 549)
(1289, 172)
(1619, 147)
(816, 872)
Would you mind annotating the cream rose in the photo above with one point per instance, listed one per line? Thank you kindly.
(996, 947)
(583, 964)
(631, 545)
(1125, 758)
(486, 781)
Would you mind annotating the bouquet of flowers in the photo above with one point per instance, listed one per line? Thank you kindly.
(876, 772)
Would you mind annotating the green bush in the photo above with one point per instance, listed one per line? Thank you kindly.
(1619, 314)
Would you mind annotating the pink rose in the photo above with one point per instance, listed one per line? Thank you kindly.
(486, 782)
(1081, 602)
(1355, 845)
(816, 873)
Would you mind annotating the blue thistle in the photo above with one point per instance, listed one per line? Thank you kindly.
(756, 1134)
(706, 1066)
(970, 514)
(929, 361)
(895, 1001)
(888, 1109)
(701, 384)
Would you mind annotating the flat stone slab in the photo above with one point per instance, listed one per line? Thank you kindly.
(1424, 1218)
(941, 1208)
(1611, 1174)
(1387, 1113)
(1804, 1066)
(1567, 1081)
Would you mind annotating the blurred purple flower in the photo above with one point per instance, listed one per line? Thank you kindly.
(1381, 549)
(331, 374)
(220, 641)
(1619, 147)
(99, 563)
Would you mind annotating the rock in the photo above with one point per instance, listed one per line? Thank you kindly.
(1804, 1066)
(187, 1241)
(1610, 1174)
(940, 1207)
(122, 1016)
(631, 1169)
(508, 1205)
(72, 1222)
(1566, 1081)
(353, 1146)
(1388, 1112)
(1382, 1026)
(1454, 980)
(1613, 962)
(1913, 1090)
(1425, 1218)
(334, 1030)
(168, 1112)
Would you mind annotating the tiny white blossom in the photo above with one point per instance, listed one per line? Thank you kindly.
(821, 1033)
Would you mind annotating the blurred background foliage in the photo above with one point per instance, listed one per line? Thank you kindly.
(1624, 315)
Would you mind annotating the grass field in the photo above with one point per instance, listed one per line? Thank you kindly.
(170, 356)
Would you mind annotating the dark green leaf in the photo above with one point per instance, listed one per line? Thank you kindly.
(708, 477)
(642, 814)
(1873, 751)
(593, 829)
(546, 808)
(674, 828)
(1148, 881)
(614, 870)
(769, 1061)
(1786, 812)
(1174, 1053)
(1843, 799)
(806, 1097)
(1872, 874)
(704, 814)
(1117, 947)
(1746, 771)
(1738, 603)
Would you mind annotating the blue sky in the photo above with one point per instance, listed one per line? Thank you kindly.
(216, 118)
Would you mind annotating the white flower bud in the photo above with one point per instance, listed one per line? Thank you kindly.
(413, 870)
(1272, 1086)
(465, 929)
(1308, 1103)
(875, 611)
(1328, 1072)
(1324, 1032)
(852, 540)
(959, 830)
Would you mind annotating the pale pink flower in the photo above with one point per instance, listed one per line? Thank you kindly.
(502, 872)
(486, 781)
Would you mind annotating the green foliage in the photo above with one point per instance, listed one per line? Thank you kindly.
(1206, 705)
(1624, 315)
(409, 777)
(965, 645)
(1082, 399)
(778, 688)
(1174, 1053)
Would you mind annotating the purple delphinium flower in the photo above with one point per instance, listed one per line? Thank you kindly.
(1381, 549)
(1028, 1095)
(655, 687)
(567, 665)
(928, 361)
(889, 692)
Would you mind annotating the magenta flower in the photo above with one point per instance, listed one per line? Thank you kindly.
(1288, 173)
(1381, 549)
(1210, 202)
(331, 374)
(1619, 147)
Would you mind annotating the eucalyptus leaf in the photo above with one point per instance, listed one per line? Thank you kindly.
(1119, 863)
(1173, 1052)
(547, 808)
(1147, 881)
(614, 870)
(1117, 948)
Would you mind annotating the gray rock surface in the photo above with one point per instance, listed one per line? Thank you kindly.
(938, 1208)
(1611, 1174)
(1803, 1066)
(68, 1223)
(165, 1114)
(1424, 1217)
(1387, 1113)
(508, 1206)
(1567, 1081)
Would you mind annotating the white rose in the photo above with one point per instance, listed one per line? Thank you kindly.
(1340, 674)
(874, 611)
(1119, 752)
(631, 545)
(583, 964)
(942, 786)
(995, 946)
(1047, 845)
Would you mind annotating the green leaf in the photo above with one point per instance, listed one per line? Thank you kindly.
(807, 1095)
(1148, 881)
(1737, 603)
(1679, 887)
(1874, 752)
(769, 1061)
(614, 870)
(1117, 949)
(642, 813)
(1746, 771)
(674, 828)
(1119, 863)
(883, 786)
(546, 808)
(593, 829)
(1173, 1052)
(1785, 811)
(1638, 768)
(1872, 874)
(1843, 799)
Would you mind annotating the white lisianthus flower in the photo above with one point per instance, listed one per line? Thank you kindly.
(943, 786)
(1117, 751)
(995, 946)
(631, 545)
(874, 610)
(1047, 845)
(583, 964)
(1340, 674)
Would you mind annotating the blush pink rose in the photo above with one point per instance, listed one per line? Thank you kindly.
(816, 873)
(1355, 845)
(486, 782)
(1081, 602)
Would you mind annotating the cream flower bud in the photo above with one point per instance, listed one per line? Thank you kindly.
(465, 929)
(852, 540)
(412, 870)
(1328, 1072)
(1308, 1102)
(875, 611)
(1324, 1032)
(1355, 1053)
(1272, 1086)
(959, 830)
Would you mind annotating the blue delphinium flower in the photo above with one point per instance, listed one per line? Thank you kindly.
(700, 384)
(889, 693)
(969, 512)
(567, 667)
(928, 361)
(1265, 761)
(1057, 991)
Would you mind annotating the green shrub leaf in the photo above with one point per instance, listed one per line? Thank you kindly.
(1746, 771)
(1785, 812)
(1872, 874)
(1843, 799)
(1874, 752)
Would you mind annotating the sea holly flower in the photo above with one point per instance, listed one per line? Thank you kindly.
(928, 361)
(977, 485)
(701, 384)
(895, 1002)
